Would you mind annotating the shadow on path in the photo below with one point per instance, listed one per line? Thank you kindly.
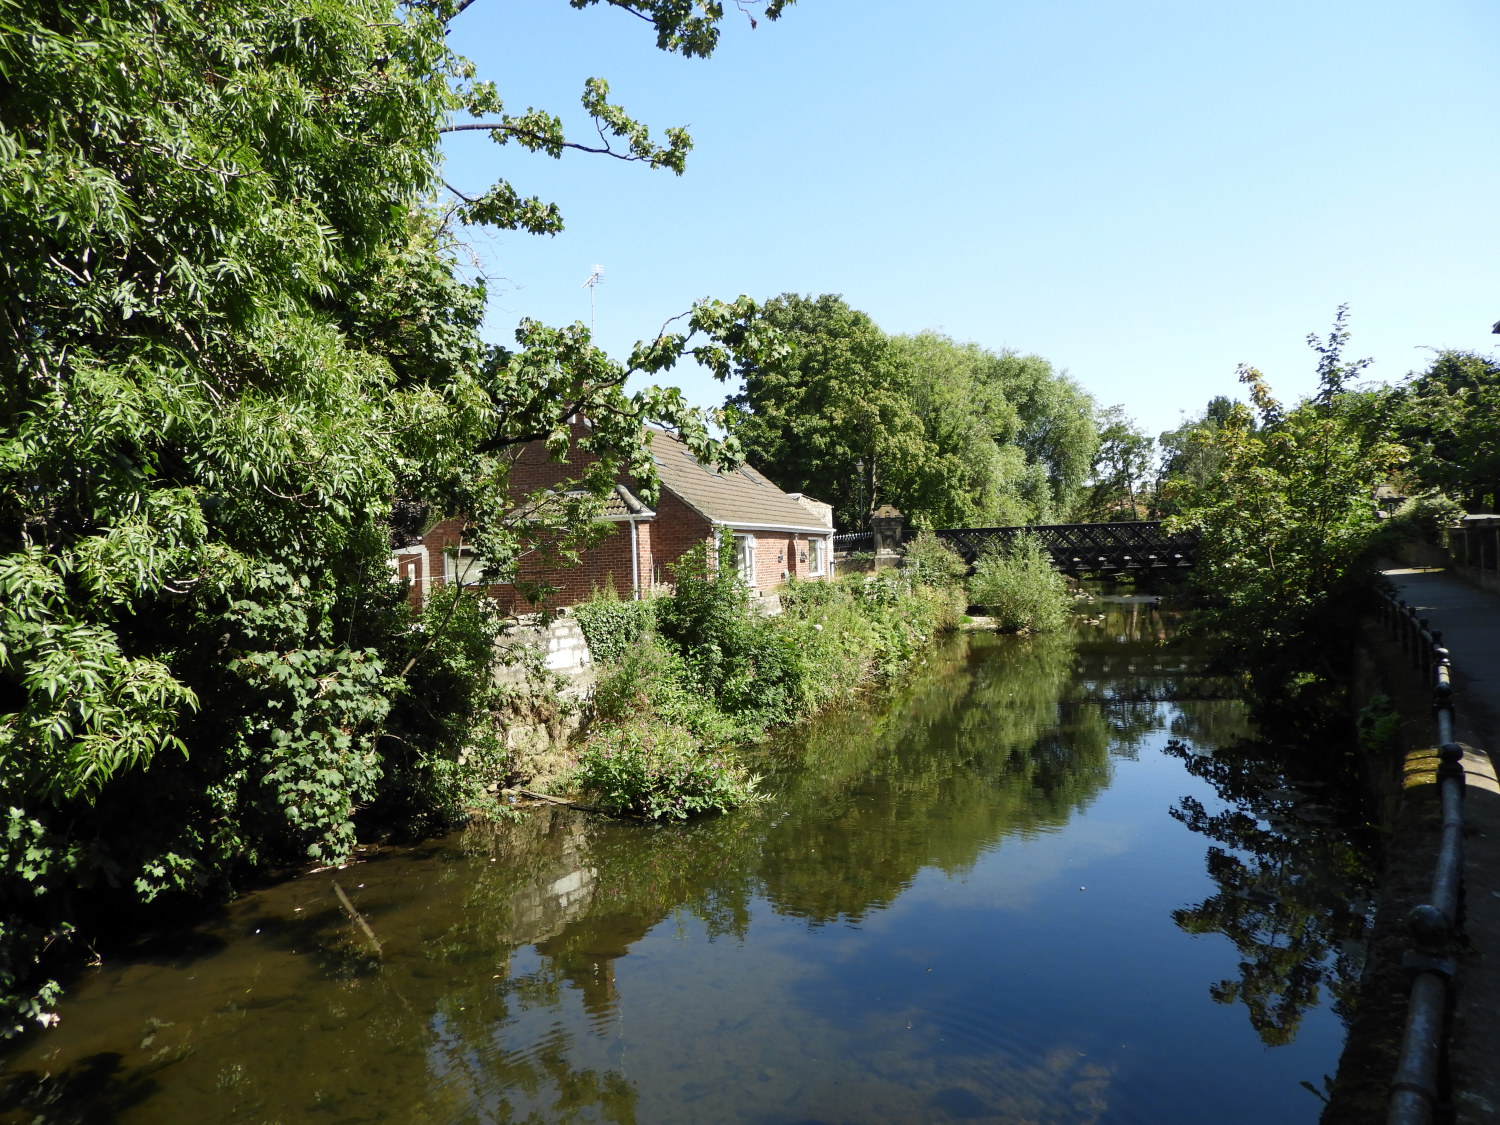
(1469, 620)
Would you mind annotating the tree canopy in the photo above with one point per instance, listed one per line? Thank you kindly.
(951, 434)
(1287, 509)
(234, 335)
(1121, 469)
(1449, 417)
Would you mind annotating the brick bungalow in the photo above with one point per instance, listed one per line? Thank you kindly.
(777, 534)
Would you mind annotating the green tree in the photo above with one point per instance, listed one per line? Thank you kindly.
(951, 434)
(1058, 431)
(1121, 466)
(837, 421)
(233, 336)
(1189, 454)
(1449, 416)
(972, 472)
(1289, 519)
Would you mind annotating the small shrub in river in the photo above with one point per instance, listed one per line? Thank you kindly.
(1018, 586)
(657, 770)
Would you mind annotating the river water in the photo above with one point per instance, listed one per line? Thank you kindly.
(1047, 880)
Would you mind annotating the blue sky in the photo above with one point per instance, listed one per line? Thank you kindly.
(1145, 194)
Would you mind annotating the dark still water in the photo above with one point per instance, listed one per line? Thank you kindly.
(1034, 885)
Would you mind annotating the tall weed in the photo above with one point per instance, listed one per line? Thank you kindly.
(653, 769)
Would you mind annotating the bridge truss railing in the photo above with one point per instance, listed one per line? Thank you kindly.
(1073, 547)
(1079, 547)
(854, 541)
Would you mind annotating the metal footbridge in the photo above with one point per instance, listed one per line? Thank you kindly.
(1075, 548)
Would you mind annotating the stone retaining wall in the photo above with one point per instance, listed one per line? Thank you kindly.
(563, 649)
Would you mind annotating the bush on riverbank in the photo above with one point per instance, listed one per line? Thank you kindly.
(1019, 587)
(699, 667)
(658, 770)
(933, 562)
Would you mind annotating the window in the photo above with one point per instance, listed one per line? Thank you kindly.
(462, 565)
(814, 556)
(744, 557)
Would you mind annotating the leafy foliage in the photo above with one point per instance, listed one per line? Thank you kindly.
(613, 627)
(951, 434)
(1019, 587)
(933, 562)
(658, 771)
(1289, 519)
(234, 336)
(1121, 468)
(1190, 455)
(1449, 417)
(720, 675)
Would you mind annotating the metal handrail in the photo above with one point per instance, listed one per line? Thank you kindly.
(1435, 925)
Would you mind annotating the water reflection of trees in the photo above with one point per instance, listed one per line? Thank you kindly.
(495, 995)
(974, 747)
(1293, 880)
(1131, 659)
(960, 763)
(298, 1018)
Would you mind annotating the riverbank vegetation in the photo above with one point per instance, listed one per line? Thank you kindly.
(689, 678)
(240, 342)
(1289, 519)
(1297, 504)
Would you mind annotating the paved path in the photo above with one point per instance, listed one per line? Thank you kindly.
(1469, 620)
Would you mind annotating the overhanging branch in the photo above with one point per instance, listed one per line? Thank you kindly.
(541, 141)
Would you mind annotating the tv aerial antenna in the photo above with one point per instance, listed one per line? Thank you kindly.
(596, 275)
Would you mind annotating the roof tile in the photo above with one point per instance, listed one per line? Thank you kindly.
(743, 497)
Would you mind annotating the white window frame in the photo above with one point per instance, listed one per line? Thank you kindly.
(815, 552)
(744, 556)
(467, 574)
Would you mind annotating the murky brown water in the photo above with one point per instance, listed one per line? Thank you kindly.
(998, 896)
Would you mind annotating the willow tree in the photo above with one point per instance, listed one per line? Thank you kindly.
(232, 335)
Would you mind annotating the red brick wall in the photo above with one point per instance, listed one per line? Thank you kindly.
(676, 530)
(779, 555)
(533, 469)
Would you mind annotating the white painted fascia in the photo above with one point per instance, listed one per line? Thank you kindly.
(786, 527)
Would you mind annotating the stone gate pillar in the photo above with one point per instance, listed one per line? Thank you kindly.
(888, 526)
